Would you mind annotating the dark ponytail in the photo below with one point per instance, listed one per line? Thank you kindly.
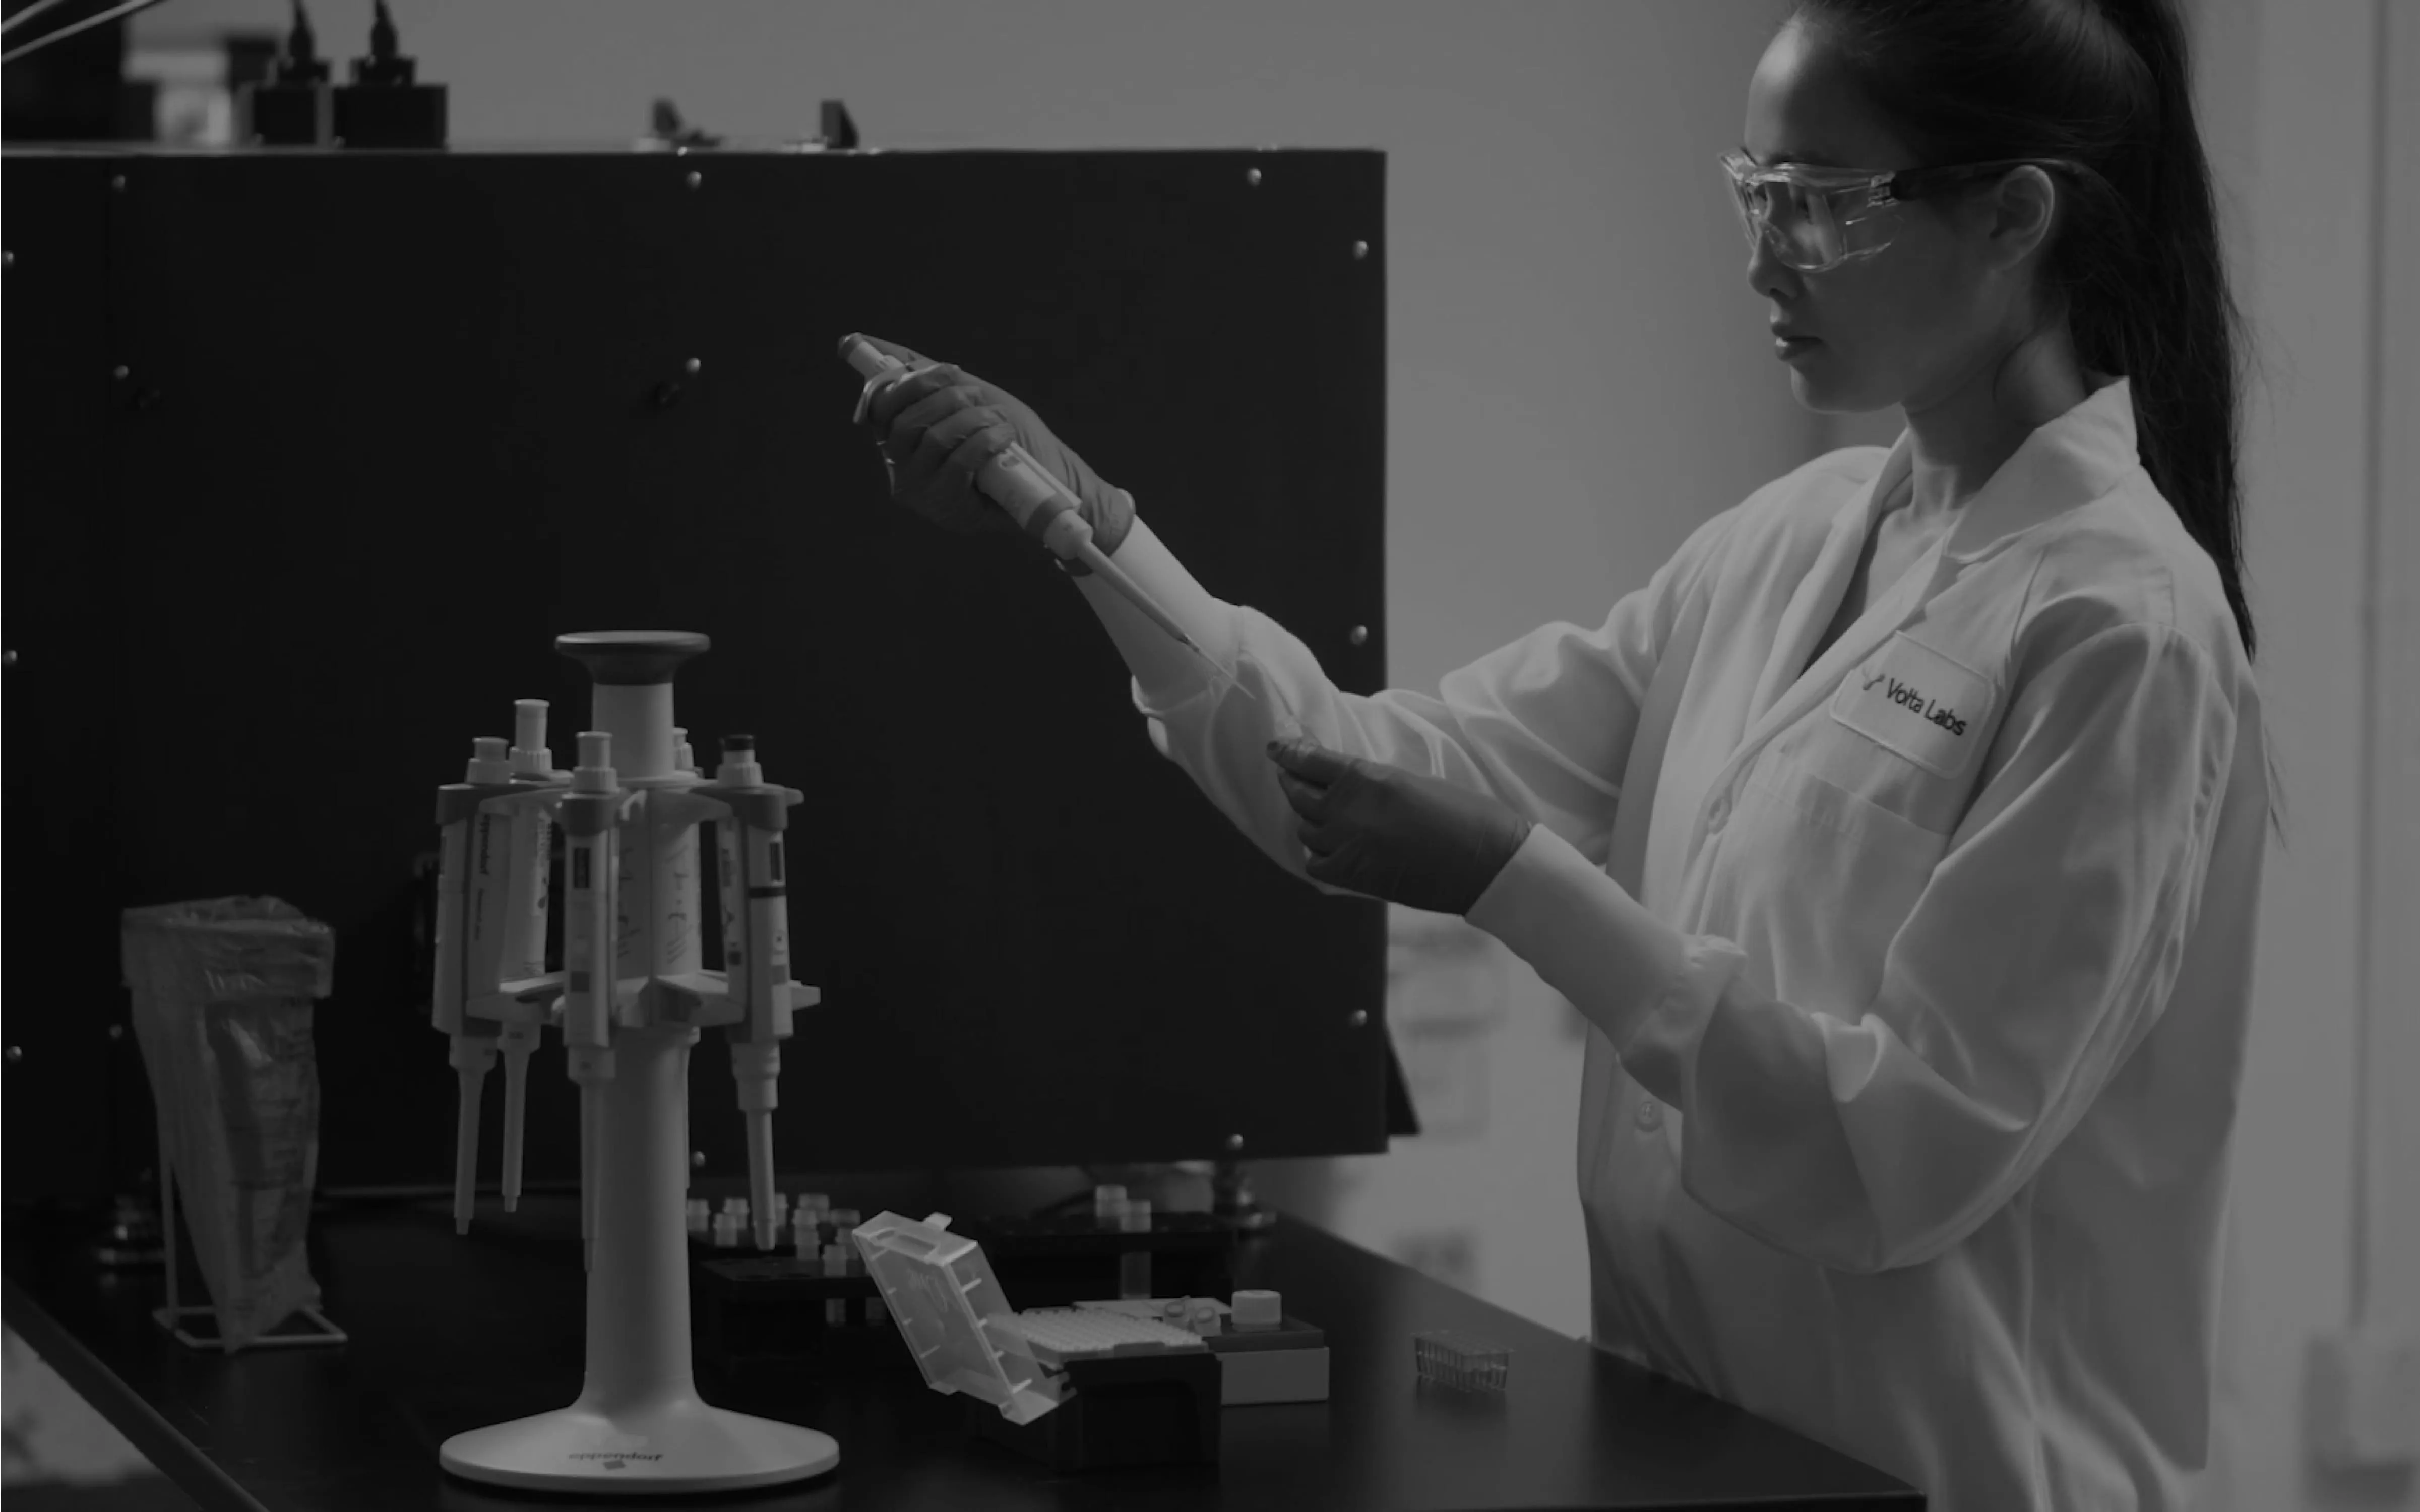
(2136, 266)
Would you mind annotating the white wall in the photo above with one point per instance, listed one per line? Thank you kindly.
(2291, 90)
(1578, 375)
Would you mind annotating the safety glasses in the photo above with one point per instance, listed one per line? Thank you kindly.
(1816, 218)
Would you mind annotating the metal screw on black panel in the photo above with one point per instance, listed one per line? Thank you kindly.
(695, 179)
(1252, 177)
(1360, 1017)
(1235, 1141)
(7, 658)
(697, 1160)
(7, 259)
(691, 366)
(1360, 250)
(117, 1031)
(117, 182)
(1361, 636)
(16, 1054)
(119, 372)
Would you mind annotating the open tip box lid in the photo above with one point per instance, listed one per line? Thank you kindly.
(963, 1333)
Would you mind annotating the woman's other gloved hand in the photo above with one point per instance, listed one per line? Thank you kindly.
(938, 427)
(1388, 832)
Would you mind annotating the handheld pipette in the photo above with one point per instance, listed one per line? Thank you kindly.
(1045, 507)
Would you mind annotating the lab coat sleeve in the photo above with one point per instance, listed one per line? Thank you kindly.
(1543, 724)
(1873, 1135)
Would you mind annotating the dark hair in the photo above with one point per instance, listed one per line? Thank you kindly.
(2134, 264)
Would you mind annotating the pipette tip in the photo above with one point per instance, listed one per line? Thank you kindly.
(1226, 675)
(512, 1204)
(461, 1227)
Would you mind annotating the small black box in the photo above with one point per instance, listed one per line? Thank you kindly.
(752, 1313)
(390, 116)
(284, 114)
(1156, 1408)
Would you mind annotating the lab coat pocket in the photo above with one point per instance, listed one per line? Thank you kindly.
(1820, 881)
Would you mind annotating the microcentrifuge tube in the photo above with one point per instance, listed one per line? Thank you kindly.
(700, 1214)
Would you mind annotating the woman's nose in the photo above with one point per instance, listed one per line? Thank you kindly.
(1767, 274)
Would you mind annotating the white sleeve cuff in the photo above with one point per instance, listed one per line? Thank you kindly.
(1586, 936)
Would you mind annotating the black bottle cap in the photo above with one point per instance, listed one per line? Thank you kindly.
(386, 63)
(299, 62)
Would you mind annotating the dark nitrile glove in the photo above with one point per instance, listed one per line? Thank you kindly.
(938, 427)
(1388, 832)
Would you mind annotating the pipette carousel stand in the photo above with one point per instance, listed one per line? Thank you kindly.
(630, 1005)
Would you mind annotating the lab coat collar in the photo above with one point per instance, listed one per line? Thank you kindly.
(2068, 461)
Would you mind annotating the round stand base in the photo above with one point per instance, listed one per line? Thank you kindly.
(679, 1444)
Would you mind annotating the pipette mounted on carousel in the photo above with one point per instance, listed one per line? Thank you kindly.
(629, 1003)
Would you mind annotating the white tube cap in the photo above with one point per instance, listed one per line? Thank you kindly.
(490, 760)
(1257, 1309)
(595, 773)
(530, 755)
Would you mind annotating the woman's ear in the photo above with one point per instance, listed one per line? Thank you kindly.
(2019, 215)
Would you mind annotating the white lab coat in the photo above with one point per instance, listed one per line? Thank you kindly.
(1913, 1062)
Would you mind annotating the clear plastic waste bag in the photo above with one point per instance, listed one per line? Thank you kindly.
(224, 990)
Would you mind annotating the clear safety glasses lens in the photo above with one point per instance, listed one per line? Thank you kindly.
(1811, 228)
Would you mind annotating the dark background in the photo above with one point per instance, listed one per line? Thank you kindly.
(310, 455)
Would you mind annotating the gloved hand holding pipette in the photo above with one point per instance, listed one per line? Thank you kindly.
(964, 446)
(939, 426)
(966, 456)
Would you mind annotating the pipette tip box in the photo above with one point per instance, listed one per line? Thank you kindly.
(754, 1312)
(1257, 1366)
(1074, 1388)
(759, 1311)
(1446, 1358)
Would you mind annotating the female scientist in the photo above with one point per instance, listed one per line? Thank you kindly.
(1900, 839)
